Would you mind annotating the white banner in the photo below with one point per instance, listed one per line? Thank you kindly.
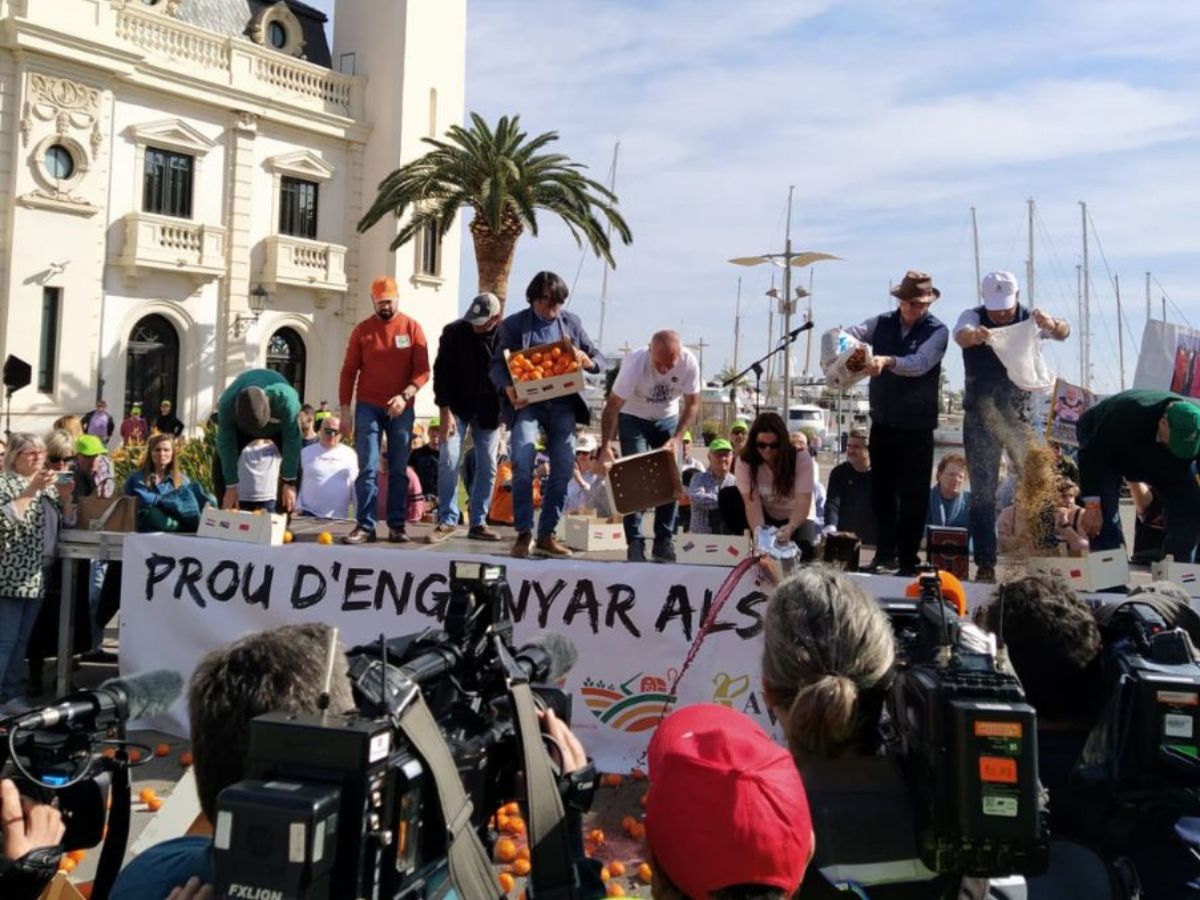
(182, 596)
(1169, 359)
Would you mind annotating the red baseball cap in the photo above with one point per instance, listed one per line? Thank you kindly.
(726, 804)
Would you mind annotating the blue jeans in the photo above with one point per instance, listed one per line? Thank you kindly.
(637, 436)
(988, 430)
(556, 418)
(370, 424)
(96, 570)
(17, 618)
(479, 491)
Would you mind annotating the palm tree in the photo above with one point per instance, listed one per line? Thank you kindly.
(502, 176)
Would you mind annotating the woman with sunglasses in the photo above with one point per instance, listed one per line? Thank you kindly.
(774, 487)
(23, 535)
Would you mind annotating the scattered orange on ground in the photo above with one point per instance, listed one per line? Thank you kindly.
(185, 758)
(605, 874)
(521, 866)
(66, 864)
(147, 794)
(155, 804)
(638, 775)
(506, 850)
(638, 831)
(596, 835)
(615, 890)
(325, 538)
(162, 750)
(612, 779)
(109, 752)
(288, 537)
(507, 882)
(645, 873)
(617, 867)
(628, 822)
(77, 855)
(512, 808)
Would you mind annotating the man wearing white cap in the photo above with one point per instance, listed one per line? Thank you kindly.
(995, 410)
(466, 398)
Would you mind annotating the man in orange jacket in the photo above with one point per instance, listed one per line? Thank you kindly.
(387, 362)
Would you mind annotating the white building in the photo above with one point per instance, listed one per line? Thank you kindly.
(164, 161)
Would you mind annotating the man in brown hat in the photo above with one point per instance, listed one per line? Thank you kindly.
(908, 345)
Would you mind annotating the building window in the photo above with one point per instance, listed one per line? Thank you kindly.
(298, 208)
(168, 183)
(152, 363)
(59, 162)
(277, 35)
(429, 251)
(48, 357)
(287, 356)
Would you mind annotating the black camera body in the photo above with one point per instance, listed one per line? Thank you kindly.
(968, 742)
(343, 806)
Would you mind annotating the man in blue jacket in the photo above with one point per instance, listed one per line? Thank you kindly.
(543, 322)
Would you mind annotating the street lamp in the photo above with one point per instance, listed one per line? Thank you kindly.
(258, 302)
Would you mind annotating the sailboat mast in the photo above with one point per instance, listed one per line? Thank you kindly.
(1087, 305)
(975, 240)
(737, 325)
(612, 186)
(1120, 331)
(1147, 296)
(787, 309)
(1030, 270)
(1082, 326)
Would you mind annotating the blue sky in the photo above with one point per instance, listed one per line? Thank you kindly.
(891, 120)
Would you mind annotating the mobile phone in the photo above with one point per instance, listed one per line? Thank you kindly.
(66, 477)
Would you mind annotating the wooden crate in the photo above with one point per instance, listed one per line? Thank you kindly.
(246, 527)
(551, 386)
(588, 533)
(711, 549)
(1094, 572)
(643, 481)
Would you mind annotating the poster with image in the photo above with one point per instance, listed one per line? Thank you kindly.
(1068, 403)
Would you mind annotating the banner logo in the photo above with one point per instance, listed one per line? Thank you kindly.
(628, 708)
(726, 688)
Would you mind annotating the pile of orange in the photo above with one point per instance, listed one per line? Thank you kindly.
(540, 364)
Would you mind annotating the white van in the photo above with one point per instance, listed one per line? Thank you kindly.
(807, 417)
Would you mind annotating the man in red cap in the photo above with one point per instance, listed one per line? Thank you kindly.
(387, 362)
(726, 808)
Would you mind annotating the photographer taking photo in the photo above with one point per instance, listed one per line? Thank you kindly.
(828, 664)
(31, 834)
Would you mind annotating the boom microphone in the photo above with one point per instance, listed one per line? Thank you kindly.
(116, 700)
(548, 656)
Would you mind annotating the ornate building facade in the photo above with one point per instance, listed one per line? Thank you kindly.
(180, 182)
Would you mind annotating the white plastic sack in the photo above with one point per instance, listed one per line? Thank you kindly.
(1019, 347)
(844, 359)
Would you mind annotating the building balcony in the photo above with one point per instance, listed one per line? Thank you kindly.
(303, 263)
(163, 243)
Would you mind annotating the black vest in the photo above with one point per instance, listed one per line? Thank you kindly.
(898, 401)
(985, 374)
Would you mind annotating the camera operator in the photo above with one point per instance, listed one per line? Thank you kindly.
(726, 817)
(278, 670)
(1054, 642)
(828, 660)
(31, 833)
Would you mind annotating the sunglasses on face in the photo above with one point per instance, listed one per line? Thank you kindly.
(919, 304)
(767, 445)
(329, 432)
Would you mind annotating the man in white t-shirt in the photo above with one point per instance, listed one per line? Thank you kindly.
(258, 475)
(328, 470)
(643, 408)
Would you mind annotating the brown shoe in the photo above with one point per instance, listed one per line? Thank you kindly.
(552, 546)
(520, 549)
(440, 533)
(398, 536)
(360, 535)
(483, 533)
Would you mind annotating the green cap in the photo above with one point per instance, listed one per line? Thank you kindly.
(321, 414)
(740, 425)
(435, 422)
(135, 410)
(89, 445)
(687, 435)
(720, 445)
(1184, 421)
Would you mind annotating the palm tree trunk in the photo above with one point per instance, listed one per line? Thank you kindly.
(494, 254)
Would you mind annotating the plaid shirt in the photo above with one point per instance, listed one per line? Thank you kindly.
(703, 491)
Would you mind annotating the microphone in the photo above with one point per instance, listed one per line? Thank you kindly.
(548, 656)
(116, 700)
(796, 332)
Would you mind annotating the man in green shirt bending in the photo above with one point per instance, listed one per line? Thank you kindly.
(259, 403)
(1150, 436)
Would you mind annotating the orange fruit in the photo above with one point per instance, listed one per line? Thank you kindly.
(162, 750)
(523, 853)
(155, 804)
(605, 875)
(515, 825)
(535, 357)
(501, 822)
(258, 512)
(507, 882)
(77, 855)
(556, 353)
(617, 867)
(506, 850)
(597, 836)
(628, 822)
(645, 873)
(147, 794)
(521, 866)
(638, 775)
(135, 755)
(66, 864)
(512, 808)
(615, 890)
(109, 752)
(185, 758)
(638, 831)
(325, 538)
(612, 779)
(288, 537)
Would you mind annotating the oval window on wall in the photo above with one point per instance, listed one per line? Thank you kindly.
(59, 162)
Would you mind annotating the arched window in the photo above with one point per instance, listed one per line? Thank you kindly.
(152, 364)
(287, 356)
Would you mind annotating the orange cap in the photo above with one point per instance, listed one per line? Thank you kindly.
(384, 288)
(953, 591)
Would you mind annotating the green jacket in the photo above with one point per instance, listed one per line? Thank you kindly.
(285, 410)
(1122, 431)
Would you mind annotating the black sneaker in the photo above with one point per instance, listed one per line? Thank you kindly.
(880, 566)
(360, 535)
(398, 536)
(663, 551)
(636, 552)
(985, 574)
